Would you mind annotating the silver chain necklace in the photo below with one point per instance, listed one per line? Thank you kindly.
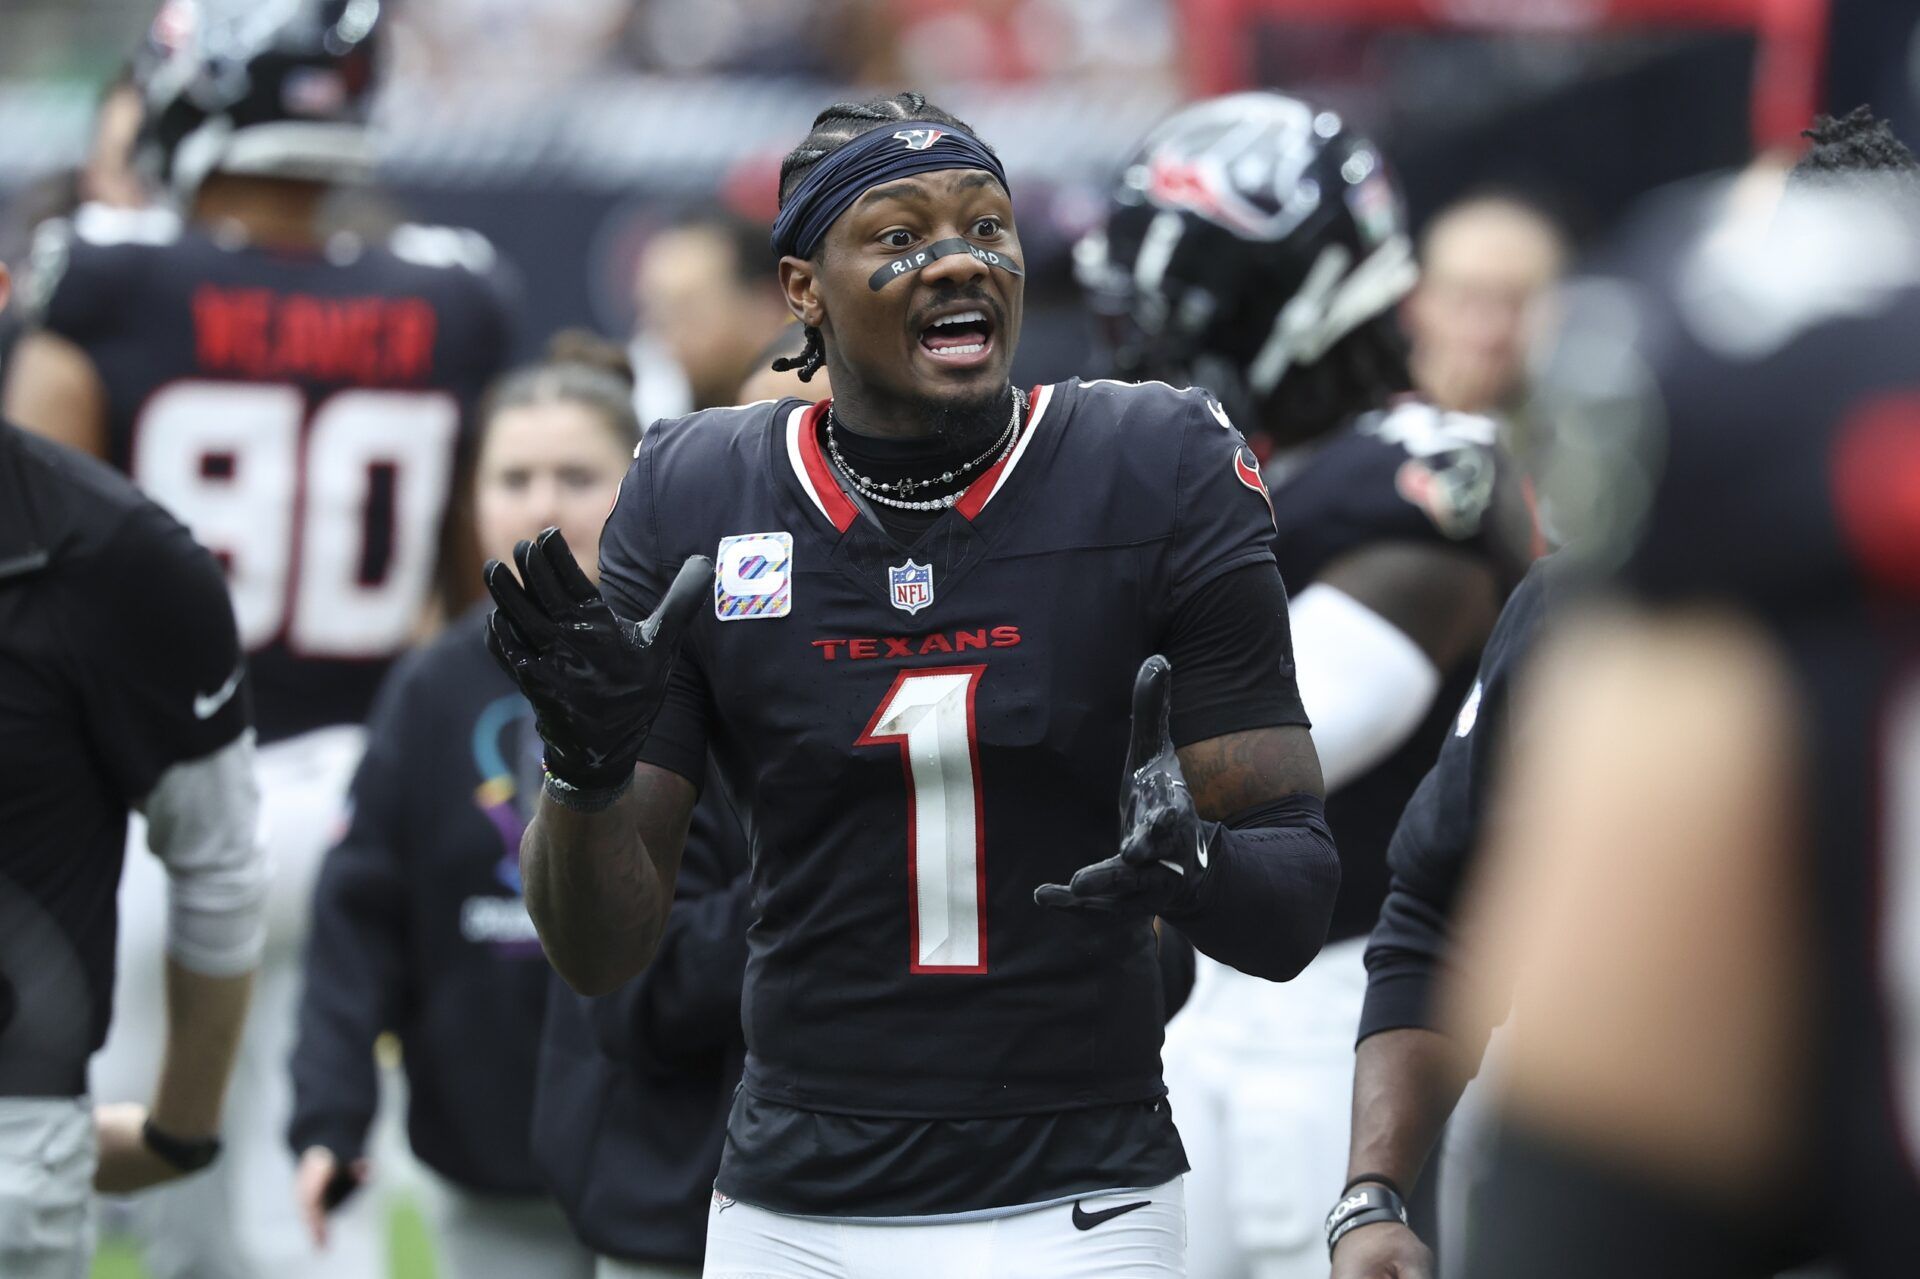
(876, 490)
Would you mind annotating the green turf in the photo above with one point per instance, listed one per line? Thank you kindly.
(409, 1250)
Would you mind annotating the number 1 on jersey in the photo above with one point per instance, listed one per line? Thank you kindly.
(929, 714)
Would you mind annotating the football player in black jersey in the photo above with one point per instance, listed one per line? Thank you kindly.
(1256, 246)
(1703, 899)
(298, 400)
(910, 656)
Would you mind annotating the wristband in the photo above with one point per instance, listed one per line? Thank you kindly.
(1376, 1179)
(581, 799)
(180, 1153)
(1367, 1206)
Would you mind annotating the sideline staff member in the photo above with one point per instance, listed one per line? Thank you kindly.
(119, 689)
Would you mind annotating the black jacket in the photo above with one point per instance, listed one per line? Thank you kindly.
(631, 1105)
(118, 660)
(1434, 845)
(418, 926)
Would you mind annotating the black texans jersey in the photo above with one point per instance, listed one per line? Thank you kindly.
(919, 736)
(1791, 491)
(1409, 474)
(302, 413)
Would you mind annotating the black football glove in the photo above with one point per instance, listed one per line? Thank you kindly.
(595, 680)
(1163, 842)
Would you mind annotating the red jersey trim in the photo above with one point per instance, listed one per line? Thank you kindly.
(816, 477)
(981, 491)
(1876, 490)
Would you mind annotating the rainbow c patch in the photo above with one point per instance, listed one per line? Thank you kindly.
(753, 577)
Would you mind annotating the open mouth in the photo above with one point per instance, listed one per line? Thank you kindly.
(963, 338)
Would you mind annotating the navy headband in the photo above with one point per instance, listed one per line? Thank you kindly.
(881, 155)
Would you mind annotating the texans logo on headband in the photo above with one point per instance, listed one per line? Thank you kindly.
(866, 161)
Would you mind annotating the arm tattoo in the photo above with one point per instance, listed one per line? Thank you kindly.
(1234, 772)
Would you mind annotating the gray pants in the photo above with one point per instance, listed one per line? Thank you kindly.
(503, 1236)
(47, 1157)
(614, 1268)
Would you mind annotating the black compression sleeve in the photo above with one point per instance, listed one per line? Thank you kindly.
(1232, 655)
(1267, 900)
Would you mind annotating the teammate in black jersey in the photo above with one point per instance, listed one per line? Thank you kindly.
(298, 400)
(911, 659)
(1256, 246)
(1409, 1073)
(1703, 897)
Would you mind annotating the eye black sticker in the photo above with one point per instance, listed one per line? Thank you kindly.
(908, 263)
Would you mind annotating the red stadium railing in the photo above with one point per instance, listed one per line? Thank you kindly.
(1791, 37)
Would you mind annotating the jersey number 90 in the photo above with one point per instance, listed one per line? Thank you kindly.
(326, 521)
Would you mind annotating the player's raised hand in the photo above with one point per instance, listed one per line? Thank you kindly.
(596, 680)
(1163, 842)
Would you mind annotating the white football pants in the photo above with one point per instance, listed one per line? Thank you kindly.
(1260, 1077)
(1148, 1242)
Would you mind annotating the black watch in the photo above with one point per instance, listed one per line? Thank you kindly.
(182, 1153)
(1364, 1205)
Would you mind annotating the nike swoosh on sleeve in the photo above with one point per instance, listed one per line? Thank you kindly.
(207, 705)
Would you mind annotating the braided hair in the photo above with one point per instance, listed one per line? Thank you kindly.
(1857, 142)
(833, 128)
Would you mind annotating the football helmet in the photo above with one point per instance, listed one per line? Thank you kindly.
(1245, 237)
(273, 88)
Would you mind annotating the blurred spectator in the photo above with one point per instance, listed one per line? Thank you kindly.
(519, 48)
(1004, 41)
(764, 382)
(708, 302)
(832, 40)
(418, 925)
(1486, 264)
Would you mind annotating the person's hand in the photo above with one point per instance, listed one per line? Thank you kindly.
(1384, 1250)
(321, 1184)
(127, 1164)
(595, 680)
(1163, 842)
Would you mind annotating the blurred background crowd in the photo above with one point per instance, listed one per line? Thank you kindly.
(574, 134)
(620, 155)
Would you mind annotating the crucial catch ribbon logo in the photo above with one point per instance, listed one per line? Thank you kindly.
(910, 585)
(753, 577)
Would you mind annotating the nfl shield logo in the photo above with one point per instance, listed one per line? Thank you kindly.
(920, 139)
(911, 585)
